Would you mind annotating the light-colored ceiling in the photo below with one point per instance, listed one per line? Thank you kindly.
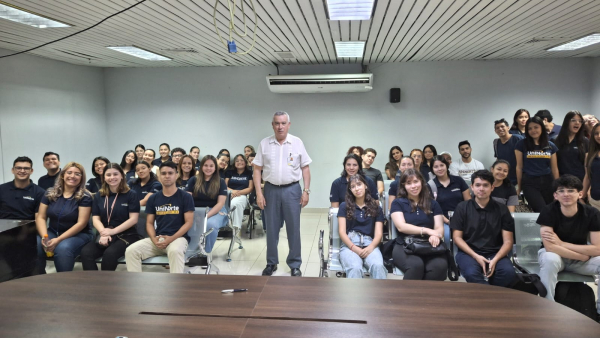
(399, 31)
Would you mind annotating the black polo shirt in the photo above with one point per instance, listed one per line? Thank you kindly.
(449, 197)
(482, 227)
(16, 203)
(340, 185)
(361, 222)
(203, 200)
(569, 161)
(125, 203)
(47, 181)
(574, 230)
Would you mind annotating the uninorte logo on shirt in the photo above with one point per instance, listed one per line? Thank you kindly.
(167, 209)
(28, 198)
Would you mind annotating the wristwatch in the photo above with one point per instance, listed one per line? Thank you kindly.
(307, 191)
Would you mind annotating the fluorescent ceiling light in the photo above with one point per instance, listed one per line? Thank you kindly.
(349, 49)
(579, 43)
(350, 9)
(28, 18)
(140, 53)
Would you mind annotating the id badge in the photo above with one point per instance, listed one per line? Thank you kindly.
(290, 160)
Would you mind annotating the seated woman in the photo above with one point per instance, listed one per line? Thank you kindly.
(195, 153)
(209, 190)
(504, 192)
(128, 164)
(93, 185)
(164, 150)
(429, 152)
(146, 182)
(149, 156)
(357, 150)
(417, 155)
(391, 168)
(415, 213)
(239, 181)
(139, 152)
(115, 213)
(360, 225)
(405, 163)
(185, 171)
(67, 206)
(223, 164)
(448, 190)
(352, 166)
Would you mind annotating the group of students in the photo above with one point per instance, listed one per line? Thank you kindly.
(170, 188)
(430, 199)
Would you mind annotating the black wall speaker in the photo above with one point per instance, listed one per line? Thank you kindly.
(395, 95)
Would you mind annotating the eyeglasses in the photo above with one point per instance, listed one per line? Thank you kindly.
(566, 191)
(25, 169)
(177, 156)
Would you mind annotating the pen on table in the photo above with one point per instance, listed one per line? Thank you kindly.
(233, 290)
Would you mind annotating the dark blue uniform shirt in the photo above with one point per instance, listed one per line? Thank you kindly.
(506, 151)
(169, 211)
(151, 187)
(569, 161)
(16, 203)
(202, 200)
(94, 184)
(418, 217)
(449, 197)
(536, 161)
(64, 213)
(126, 203)
(361, 222)
(238, 181)
(47, 181)
(340, 186)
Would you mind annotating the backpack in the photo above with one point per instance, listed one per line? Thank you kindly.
(577, 296)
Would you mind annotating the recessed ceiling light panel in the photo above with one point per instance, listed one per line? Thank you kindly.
(140, 53)
(350, 9)
(349, 49)
(28, 18)
(579, 43)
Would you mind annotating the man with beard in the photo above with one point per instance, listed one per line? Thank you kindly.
(465, 166)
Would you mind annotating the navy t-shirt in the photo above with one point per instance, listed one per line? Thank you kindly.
(506, 151)
(393, 189)
(94, 184)
(449, 197)
(536, 161)
(516, 132)
(129, 175)
(182, 184)
(202, 200)
(569, 161)
(595, 179)
(157, 162)
(340, 186)
(126, 203)
(16, 203)
(238, 181)
(47, 181)
(425, 171)
(169, 211)
(361, 222)
(419, 217)
(64, 212)
(151, 187)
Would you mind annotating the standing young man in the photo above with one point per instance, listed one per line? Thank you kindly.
(465, 165)
(173, 210)
(282, 161)
(367, 160)
(20, 198)
(504, 147)
(565, 226)
(483, 232)
(551, 128)
(52, 164)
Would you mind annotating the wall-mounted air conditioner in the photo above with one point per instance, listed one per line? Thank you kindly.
(331, 83)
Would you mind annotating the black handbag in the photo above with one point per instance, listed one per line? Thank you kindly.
(420, 246)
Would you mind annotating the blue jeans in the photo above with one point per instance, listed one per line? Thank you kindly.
(504, 273)
(216, 222)
(352, 263)
(64, 253)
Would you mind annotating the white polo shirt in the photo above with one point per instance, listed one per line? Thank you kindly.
(282, 163)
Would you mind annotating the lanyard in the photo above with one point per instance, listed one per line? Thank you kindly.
(112, 208)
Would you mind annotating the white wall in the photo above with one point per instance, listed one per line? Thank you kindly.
(48, 105)
(442, 104)
(595, 95)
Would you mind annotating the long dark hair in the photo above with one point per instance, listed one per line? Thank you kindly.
(360, 150)
(562, 140)
(442, 159)
(593, 151)
(392, 165)
(543, 140)
(214, 184)
(371, 204)
(506, 179)
(99, 158)
(180, 170)
(149, 166)
(515, 125)
(124, 163)
(357, 159)
(424, 196)
(425, 161)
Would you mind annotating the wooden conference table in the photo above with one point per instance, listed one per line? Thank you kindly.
(108, 304)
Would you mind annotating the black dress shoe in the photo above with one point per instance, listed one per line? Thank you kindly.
(296, 272)
(268, 271)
